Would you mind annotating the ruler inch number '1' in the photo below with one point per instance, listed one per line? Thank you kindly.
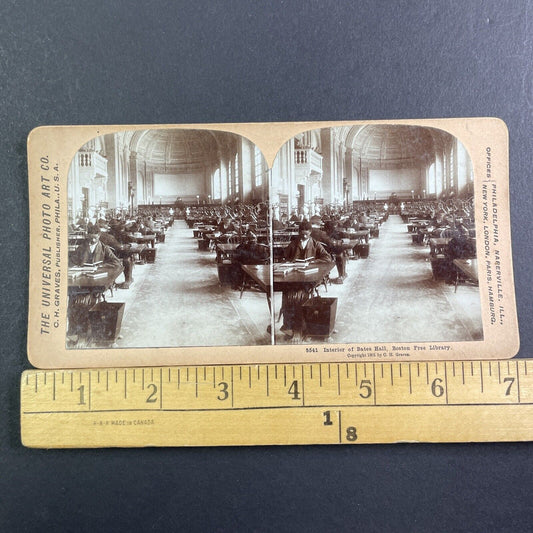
(318, 403)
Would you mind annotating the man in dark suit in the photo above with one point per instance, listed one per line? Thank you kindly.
(304, 247)
(91, 251)
(94, 251)
(333, 242)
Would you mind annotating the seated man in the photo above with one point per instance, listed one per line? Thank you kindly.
(304, 247)
(118, 243)
(91, 251)
(94, 251)
(460, 246)
(332, 239)
(226, 226)
(250, 252)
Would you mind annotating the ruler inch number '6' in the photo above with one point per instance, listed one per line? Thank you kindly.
(302, 403)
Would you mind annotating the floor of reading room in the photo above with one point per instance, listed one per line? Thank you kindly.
(389, 297)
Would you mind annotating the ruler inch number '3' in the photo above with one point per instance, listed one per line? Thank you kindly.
(318, 403)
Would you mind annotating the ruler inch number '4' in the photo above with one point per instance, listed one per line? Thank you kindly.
(318, 403)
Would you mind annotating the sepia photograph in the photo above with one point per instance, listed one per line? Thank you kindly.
(160, 222)
(382, 217)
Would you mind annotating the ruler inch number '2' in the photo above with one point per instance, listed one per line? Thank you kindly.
(319, 403)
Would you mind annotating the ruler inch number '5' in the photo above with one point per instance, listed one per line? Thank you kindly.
(318, 403)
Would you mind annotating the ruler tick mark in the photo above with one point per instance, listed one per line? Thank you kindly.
(418, 368)
(427, 374)
(311, 371)
(116, 376)
(391, 375)
(36, 378)
(214, 377)
(45, 378)
(276, 371)
(179, 377)
(72, 381)
(499, 373)
(347, 371)
(410, 381)
(232, 395)
(364, 369)
(161, 388)
(320, 374)
(453, 368)
(169, 376)
(62, 378)
(125, 383)
(268, 391)
(471, 368)
(258, 373)
(205, 373)
(284, 375)
(374, 380)
(463, 371)
(517, 383)
(222, 373)
(98, 376)
(196, 380)
(303, 387)
(142, 380)
(481, 375)
(338, 381)
(446, 382)
(356, 365)
(490, 368)
(249, 377)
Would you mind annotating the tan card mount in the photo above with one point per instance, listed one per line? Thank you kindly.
(211, 244)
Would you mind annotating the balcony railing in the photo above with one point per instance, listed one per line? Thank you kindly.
(93, 163)
(308, 159)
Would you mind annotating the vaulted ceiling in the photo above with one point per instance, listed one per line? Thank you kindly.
(395, 143)
(181, 146)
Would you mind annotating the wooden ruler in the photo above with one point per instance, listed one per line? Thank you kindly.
(335, 403)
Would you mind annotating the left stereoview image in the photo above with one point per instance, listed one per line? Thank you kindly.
(160, 224)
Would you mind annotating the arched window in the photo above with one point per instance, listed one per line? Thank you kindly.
(258, 167)
(236, 174)
(217, 189)
(230, 178)
(431, 180)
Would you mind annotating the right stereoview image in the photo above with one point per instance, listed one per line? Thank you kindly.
(374, 237)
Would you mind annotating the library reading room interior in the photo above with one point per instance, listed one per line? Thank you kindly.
(356, 234)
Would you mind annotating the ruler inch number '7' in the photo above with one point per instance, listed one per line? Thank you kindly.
(309, 403)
